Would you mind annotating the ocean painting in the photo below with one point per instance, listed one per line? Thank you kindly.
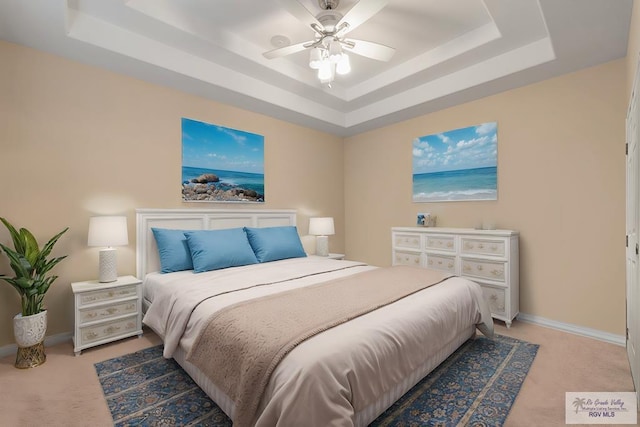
(460, 164)
(220, 164)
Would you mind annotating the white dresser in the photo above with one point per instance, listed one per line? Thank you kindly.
(106, 312)
(488, 257)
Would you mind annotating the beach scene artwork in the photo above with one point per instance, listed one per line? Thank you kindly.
(220, 164)
(456, 165)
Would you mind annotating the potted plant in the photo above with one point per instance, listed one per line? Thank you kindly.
(31, 266)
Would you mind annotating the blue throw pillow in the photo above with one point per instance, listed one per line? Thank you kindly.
(216, 249)
(172, 249)
(274, 243)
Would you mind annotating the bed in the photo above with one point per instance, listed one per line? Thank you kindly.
(343, 373)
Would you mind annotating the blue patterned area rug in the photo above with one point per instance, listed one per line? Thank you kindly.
(475, 386)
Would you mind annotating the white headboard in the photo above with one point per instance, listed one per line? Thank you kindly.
(147, 260)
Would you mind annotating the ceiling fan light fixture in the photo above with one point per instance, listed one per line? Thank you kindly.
(315, 58)
(344, 65)
(326, 72)
(335, 51)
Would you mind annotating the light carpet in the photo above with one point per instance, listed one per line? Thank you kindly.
(475, 386)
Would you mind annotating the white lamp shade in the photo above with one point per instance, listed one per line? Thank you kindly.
(108, 231)
(322, 226)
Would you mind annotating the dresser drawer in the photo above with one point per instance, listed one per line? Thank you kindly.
(495, 298)
(409, 241)
(441, 262)
(103, 331)
(92, 314)
(406, 258)
(483, 246)
(93, 297)
(441, 243)
(494, 270)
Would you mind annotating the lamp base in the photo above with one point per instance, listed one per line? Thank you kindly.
(322, 245)
(108, 265)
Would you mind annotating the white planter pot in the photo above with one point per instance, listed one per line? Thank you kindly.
(29, 330)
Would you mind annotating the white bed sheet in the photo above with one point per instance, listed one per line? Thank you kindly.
(350, 373)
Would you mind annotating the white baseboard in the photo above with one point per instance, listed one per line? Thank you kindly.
(574, 329)
(7, 350)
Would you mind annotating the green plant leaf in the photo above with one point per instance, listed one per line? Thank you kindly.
(31, 249)
(15, 236)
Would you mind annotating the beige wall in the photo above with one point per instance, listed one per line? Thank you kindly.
(77, 141)
(561, 178)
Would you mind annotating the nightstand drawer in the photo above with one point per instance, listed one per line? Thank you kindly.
(103, 331)
(493, 270)
(407, 258)
(483, 247)
(441, 262)
(409, 241)
(92, 314)
(93, 297)
(441, 243)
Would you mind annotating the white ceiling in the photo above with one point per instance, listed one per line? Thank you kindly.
(447, 51)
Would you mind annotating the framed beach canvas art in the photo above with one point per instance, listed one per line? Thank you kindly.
(456, 165)
(220, 164)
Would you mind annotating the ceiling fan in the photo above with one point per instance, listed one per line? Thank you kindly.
(330, 28)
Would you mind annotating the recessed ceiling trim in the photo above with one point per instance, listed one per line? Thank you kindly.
(88, 29)
(465, 43)
(164, 12)
(511, 62)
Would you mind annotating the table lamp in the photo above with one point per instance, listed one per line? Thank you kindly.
(322, 228)
(108, 231)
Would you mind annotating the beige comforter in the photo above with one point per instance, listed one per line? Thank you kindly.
(345, 375)
(242, 345)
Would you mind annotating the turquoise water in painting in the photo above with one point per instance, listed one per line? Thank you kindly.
(465, 184)
(228, 179)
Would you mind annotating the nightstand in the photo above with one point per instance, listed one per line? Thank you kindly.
(106, 312)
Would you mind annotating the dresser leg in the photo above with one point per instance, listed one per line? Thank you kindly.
(508, 322)
(78, 352)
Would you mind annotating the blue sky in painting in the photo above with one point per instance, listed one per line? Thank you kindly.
(216, 147)
(467, 148)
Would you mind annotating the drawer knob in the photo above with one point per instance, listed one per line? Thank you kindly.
(480, 245)
(449, 244)
(450, 265)
(496, 272)
(480, 268)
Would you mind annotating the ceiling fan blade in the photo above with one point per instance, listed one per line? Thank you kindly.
(287, 50)
(299, 11)
(359, 13)
(370, 49)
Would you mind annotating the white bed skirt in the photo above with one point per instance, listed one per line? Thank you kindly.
(365, 416)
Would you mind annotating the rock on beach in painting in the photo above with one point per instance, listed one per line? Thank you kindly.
(205, 189)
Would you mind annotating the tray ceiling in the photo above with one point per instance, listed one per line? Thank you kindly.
(447, 52)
